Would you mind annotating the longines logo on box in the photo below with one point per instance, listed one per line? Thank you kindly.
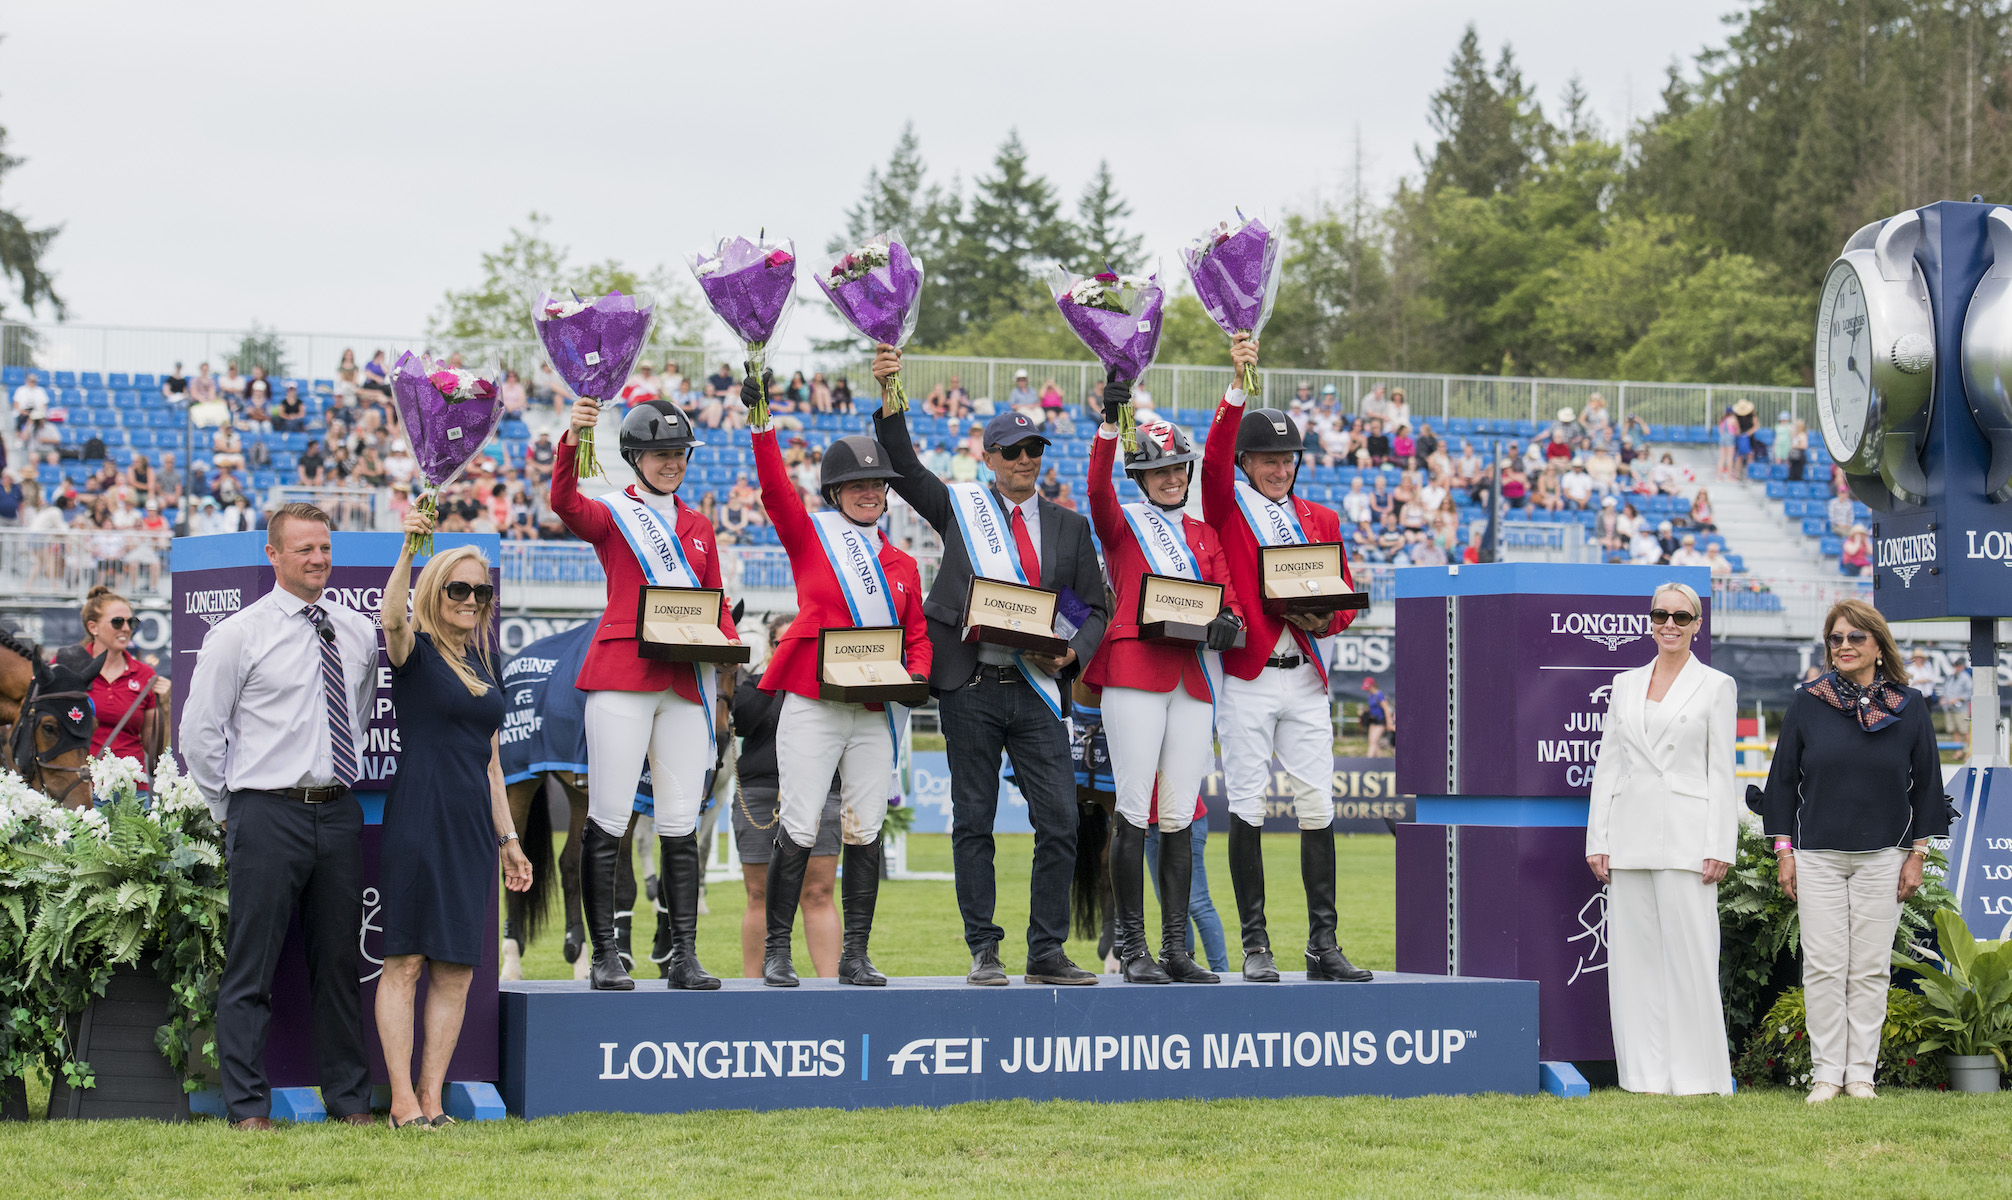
(1992, 544)
(1612, 630)
(1904, 556)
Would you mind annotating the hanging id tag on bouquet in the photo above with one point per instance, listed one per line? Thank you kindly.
(864, 666)
(675, 624)
(1306, 578)
(1178, 610)
(1012, 614)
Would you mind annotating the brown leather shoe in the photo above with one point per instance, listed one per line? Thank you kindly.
(359, 1119)
(253, 1124)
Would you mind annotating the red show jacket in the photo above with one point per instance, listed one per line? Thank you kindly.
(820, 597)
(1124, 659)
(612, 664)
(1240, 545)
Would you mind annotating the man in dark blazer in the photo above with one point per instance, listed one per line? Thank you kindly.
(988, 704)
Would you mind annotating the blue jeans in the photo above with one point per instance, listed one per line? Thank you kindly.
(1201, 910)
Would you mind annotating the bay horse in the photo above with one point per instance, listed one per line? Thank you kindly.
(48, 720)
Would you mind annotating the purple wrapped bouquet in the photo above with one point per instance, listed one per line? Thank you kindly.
(750, 285)
(448, 413)
(875, 288)
(1118, 318)
(1235, 270)
(593, 344)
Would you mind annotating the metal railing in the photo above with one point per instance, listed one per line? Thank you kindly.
(1432, 398)
(65, 565)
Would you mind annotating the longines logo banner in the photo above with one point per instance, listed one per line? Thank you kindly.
(1906, 555)
(936, 1041)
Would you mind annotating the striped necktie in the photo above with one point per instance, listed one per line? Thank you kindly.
(341, 741)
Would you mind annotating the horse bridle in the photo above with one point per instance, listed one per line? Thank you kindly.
(20, 753)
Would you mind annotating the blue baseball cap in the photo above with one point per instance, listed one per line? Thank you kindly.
(1011, 428)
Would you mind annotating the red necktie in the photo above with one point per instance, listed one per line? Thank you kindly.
(1030, 559)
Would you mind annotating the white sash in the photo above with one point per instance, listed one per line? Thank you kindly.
(1278, 525)
(988, 543)
(856, 561)
(1168, 553)
(662, 556)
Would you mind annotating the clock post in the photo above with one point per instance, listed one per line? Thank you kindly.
(1938, 471)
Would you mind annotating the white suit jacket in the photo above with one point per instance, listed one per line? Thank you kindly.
(1664, 796)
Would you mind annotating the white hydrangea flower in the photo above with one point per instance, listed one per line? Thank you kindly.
(707, 266)
(556, 307)
(90, 820)
(116, 778)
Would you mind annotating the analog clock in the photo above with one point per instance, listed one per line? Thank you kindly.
(1987, 355)
(1875, 362)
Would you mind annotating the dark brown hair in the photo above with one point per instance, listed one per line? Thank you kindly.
(1860, 615)
(95, 602)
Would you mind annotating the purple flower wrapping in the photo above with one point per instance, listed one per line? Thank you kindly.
(594, 344)
(445, 434)
(1125, 342)
(1236, 275)
(748, 284)
(879, 305)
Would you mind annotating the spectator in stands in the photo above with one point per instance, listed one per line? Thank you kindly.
(1390, 537)
(1051, 482)
(1842, 514)
(1404, 448)
(1688, 554)
(1378, 444)
(399, 466)
(227, 450)
(1515, 485)
(1467, 468)
(258, 389)
(1576, 486)
(1362, 543)
(1954, 700)
(720, 382)
(1066, 497)
(1729, 437)
(538, 458)
(1355, 505)
(1715, 558)
(1022, 395)
(308, 469)
(175, 385)
(1428, 443)
(376, 378)
(1667, 476)
(1595, 422)
(1411, 512)
(232, 385)
(1798, 451)
(841, 395)
(516, 400)
(31, 403)
(1857, 555)
(1559, 444)
(820, 393)
(1051, 400)
(1398, 412)
(370, 469)
(1701, 512)
(1425, 551)
(1547, 495)
(1568, 430)
(1376, 403)
(1666, 541)
(642, 386)
(1645, 550)
(963, 467)
(166, 482)
(291, 415)
(1446, 522)
(1743, 443)
(11, 497)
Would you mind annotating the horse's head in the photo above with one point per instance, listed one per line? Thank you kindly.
(52, 741)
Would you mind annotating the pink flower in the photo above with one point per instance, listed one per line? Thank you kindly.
(779, 258)
(1107, 277)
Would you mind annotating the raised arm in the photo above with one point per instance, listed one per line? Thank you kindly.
(394, 611)
(918, 485)
(779, 497)
(1106, 514)
(1219, 451)
(590, 521)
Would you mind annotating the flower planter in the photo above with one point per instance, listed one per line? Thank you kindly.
(14, 1099)
(115, 1034)
(1972, 1072)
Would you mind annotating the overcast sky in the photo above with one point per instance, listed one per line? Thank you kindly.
(337, 167)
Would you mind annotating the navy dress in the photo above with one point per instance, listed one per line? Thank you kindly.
(438, 858)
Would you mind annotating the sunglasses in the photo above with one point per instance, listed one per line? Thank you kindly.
(1663, 616)
(1013, 453)
(1856, 637)
(123, 622)
(458, 591)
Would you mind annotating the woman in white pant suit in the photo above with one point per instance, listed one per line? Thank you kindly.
(1661, 832)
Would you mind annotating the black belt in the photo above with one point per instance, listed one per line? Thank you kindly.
(999, 673)
(1286, 661)
(315, 795)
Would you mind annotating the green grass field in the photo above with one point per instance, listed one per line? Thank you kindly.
(1763, 1143)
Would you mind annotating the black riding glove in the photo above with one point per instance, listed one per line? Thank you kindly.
(1115, 396)
(1223, 630)
(755, 390)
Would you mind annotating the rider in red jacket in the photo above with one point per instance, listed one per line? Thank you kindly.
(847, 574)
(1275, 700)
(639, 707)
(1158, 695)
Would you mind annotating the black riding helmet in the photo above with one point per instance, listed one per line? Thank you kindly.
(1161, 444)
(1269, 431)
(655, 425)
(855, 457)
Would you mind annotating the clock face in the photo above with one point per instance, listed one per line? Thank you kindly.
(1843, 361)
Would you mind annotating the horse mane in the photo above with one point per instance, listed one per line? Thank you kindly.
(11, 641)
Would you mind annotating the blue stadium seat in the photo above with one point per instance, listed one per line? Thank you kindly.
(1815, 527)
(64, 379)
(1777, 491)
(1739, 564)
(1831, 547)
(13, 376)
(140, 439)
(147, 382)
(1459, 427)
(118, 379)
(123, 457)
(90, 379)
(48, 475)
(1777, 470)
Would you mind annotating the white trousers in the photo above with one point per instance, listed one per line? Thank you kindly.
(1284, 713)
(1163, 740)
(625, 728)
(1663, 983)
(1850, 906)
(813, 739)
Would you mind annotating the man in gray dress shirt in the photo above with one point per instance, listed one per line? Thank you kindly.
(272, 731)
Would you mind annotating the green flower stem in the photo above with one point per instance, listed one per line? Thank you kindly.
(894, 397)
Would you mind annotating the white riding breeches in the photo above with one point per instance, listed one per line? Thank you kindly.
(813, 739)
(1281, 712)
(624, 729)
(1158, 740)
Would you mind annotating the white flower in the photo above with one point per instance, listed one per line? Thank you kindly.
(555, 307)
(93, 821)
(707, 266)
(116, 778)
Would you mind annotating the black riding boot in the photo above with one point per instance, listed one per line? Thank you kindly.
(1177, 876)
(861, 889)
(1324, 959)
(1128, 884)
(786, 865)
(679, 877)
(625, 900)
(598, 855)
(1247, 877)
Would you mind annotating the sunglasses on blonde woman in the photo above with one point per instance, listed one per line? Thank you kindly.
(1663, 616)
(459, 591)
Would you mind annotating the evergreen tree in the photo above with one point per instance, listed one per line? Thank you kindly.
(900, 201)
(1012, 228)
(22, 249)
(1100, 213)
(1491, 131)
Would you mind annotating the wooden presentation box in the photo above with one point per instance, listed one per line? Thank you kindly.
(1306, 579)
(683, 625)
(864, 666)
(1178, 610)
(1012, 614)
